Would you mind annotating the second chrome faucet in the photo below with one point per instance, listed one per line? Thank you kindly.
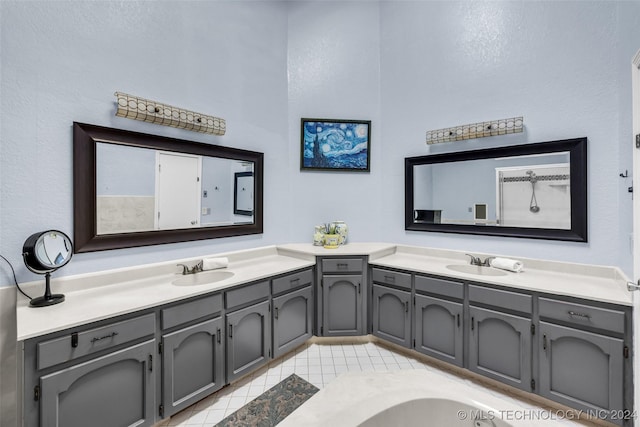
(191, 270)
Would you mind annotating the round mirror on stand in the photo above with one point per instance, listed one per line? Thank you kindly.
(44, 253)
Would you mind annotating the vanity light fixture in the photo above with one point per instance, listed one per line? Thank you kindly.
(134, 107)
(476, 130)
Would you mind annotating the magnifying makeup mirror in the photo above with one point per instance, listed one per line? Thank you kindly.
(44, 253)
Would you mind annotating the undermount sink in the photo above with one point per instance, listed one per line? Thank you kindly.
(476, 269)
(202, 278)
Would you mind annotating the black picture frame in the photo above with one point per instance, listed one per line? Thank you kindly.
(237, 191)
(577, 149)
(85, 236)
(335, 145)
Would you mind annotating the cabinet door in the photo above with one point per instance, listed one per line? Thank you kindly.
(342, 305)
(581, 369)
(439, 329)
(292, 320)
(248, 337)
(391, 315)
(192, 364)
(113, 390)
(500, 347)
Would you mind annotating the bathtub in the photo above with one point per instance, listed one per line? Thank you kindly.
(420, 397)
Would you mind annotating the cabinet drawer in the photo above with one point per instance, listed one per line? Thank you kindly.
(176, 315)
(292, 281)
(345, 265)
(239, 296)
(499, 298)
(442, 287)
(402, 280)
(80, 344)
(582, 315)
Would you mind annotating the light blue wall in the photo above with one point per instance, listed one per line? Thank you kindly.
(125, 171)
(563, 65)
(62, 62)
(407, 66)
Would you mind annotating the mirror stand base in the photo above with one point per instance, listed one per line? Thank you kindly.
(44, 301)
(48, 298)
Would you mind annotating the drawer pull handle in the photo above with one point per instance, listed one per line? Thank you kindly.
(458, 319)
(104, 337)
(359, 286)
(406, 306)
(342, 265)
(275, 312)
(544, 341)
(74, 340)
(390, 279)
(218, 335)
(472, 322)
(230, 331)
(295, 281)
(581, 316)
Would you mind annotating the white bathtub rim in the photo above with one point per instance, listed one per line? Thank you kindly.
(354, 397)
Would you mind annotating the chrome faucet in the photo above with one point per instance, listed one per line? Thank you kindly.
(474, 260)
(191, 270)
(477, 261)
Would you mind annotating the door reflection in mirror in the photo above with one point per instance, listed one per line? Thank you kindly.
(141, 189)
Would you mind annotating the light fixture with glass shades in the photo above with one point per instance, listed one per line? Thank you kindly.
(44, 253)
(476, 130)
(137, 108)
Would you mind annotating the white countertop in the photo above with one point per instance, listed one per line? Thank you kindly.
(98, 296)
(598, 283)
(101, 295)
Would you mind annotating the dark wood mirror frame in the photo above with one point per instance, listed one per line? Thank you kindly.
(577, 149)
(85, 237)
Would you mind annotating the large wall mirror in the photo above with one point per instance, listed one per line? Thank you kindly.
(134, 189)
(534, 191)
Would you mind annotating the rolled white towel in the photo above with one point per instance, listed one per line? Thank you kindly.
(507, 264)
(215, 263)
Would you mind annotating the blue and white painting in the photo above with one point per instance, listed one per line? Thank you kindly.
(336, 144)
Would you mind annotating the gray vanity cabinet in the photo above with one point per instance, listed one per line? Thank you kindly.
(391, 306)
(582, 355)
(342, 301)
(103, 375)
(499, 341)
(248, 336)
(193, 355)
(292, 311)
(113, 390)
(439, 320)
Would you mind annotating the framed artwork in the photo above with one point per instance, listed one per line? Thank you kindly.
(335, 145)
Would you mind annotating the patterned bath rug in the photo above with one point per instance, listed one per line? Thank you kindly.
(272, 406)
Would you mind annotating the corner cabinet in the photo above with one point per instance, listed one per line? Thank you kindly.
(341, 301)
(100, 376)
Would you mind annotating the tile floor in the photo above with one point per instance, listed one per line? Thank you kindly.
(316, 363)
